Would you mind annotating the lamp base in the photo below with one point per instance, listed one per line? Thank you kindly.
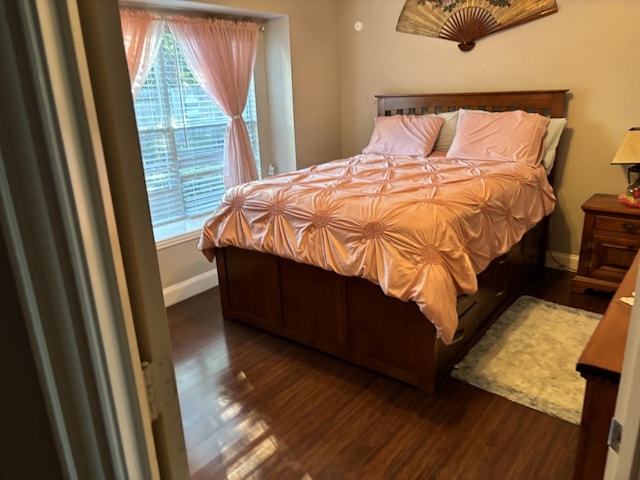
(631, 196)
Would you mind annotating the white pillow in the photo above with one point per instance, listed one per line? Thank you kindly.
(551, 140)
(448, 130)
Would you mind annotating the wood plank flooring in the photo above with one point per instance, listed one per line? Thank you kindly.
(258, 407)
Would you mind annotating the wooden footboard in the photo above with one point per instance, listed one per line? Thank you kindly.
(354, 320)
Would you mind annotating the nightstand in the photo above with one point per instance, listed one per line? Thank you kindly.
(610, 240)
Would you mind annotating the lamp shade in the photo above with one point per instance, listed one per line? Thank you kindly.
(629, 151)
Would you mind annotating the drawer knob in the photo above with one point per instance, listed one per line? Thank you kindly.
(630, 227)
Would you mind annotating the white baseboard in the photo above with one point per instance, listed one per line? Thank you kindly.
(561, 261)
(190, 287)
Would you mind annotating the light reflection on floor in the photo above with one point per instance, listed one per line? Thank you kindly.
(246, 445)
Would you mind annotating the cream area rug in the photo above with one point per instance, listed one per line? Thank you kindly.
(529, 356)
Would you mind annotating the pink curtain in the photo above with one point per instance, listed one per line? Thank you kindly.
(142, 33)
(221, 54)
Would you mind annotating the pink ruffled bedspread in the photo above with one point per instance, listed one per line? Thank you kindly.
(420, 228)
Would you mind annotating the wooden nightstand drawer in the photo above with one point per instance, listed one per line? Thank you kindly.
(611, 257)
(610, 240)
(616, 224)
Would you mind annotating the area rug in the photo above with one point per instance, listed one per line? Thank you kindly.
(529, 356)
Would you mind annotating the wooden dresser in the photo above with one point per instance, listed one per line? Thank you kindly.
(610, 240)
(600, 364)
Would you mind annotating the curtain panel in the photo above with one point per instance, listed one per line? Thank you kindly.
(142, 34)
(221, 54)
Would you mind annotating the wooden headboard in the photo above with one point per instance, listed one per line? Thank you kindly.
(550, 103)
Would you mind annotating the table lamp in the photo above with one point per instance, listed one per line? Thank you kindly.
(629, 154)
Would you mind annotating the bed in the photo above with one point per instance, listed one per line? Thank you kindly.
(408, 313)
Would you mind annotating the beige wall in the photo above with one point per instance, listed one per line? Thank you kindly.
(180, 262)
(587, 47)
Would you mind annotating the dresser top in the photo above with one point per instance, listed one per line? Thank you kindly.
(604, 351)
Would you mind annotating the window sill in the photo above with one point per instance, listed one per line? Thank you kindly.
(182, 231)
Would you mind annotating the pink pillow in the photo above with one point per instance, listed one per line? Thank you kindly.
(404, 135)
(514, 136)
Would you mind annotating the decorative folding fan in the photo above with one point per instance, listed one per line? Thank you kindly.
(465, 21)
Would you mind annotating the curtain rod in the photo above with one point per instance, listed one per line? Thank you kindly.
(163, 13)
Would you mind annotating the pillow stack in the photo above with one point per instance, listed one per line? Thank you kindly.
(515, 136)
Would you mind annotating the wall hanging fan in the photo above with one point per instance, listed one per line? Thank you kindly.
(465, 21)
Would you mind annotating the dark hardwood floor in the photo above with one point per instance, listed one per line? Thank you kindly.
(258, 407)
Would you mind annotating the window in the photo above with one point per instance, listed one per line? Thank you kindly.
(181, 134)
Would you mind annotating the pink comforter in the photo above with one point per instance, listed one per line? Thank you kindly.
(420, 228)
